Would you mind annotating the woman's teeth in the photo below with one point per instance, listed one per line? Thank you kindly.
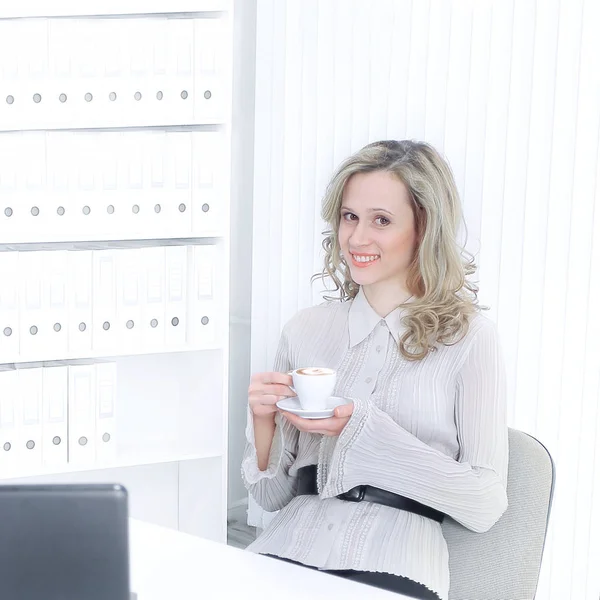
(365, 258)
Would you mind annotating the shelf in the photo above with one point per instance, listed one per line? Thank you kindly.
(140, 124)
(104, 243)
(115, 133)
(30, 360)
(119, 464)
(46, 241)
(70, 8)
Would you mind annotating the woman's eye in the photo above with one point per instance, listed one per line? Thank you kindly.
(348, 216)
(382, 221)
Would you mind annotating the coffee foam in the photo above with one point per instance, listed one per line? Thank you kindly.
(315, 371)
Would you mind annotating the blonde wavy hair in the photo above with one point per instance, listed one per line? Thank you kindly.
(444, 299)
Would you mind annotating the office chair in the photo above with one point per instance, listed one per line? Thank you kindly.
(504, 563)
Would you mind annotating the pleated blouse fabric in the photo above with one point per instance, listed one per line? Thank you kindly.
(432, 430)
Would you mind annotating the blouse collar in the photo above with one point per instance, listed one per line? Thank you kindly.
(362, 319)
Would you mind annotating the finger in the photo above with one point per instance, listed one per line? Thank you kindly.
(263, 410)
(265, 398)
(275, 389)
(319, 426)
(337, 429)
(326, 425)
(328, 431)
(304, 425)
(275, 377)
(280, 390)
(344, 411)
(297, 422)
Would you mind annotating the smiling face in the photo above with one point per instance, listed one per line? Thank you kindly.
(377, 233)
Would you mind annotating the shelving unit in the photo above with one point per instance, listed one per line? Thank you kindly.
(114, 223)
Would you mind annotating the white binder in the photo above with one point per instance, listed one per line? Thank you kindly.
(105, 218)
(158, 30)
(9, 307)
(178, 214)
(10, 208)
(29, 418)
(209, 59)
(176, 296)
(208, 177)
(104, 311)
(135, 208)
(80, 302)
(180, 43)
(129, 306)
(82, 415)
(9, 430)
(155, 210)
(153, 297)
(115, 208)
(60, 112)
(61, 181)
(140, 66)
(37, 213)
(88, 205)
(202, 305)
(33, 69)
(34, 339)
(56, 311)
(111, 74)
(54, 411)
(106, 394)
(84, 106)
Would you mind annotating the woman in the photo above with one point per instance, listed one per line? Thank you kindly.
(426, 429)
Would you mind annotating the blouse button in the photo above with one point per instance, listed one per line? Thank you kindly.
(378, 349)
(368, 380)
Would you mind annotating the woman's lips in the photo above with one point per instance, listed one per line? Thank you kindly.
(363, 264)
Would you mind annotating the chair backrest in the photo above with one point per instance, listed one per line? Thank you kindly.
(504, 563)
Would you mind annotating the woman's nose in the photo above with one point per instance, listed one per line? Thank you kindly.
(360, 236)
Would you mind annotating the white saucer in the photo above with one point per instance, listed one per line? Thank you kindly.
(293, 406)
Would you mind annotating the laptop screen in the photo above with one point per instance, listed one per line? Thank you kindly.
(63, 542)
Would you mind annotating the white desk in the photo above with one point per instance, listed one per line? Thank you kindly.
(169, 565)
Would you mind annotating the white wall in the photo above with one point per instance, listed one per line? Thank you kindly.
(509, 90)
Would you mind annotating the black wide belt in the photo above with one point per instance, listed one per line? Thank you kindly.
(307, 485)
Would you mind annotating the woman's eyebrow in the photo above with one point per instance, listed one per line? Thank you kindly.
(372, 210)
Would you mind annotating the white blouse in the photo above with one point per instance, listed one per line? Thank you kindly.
(432, 430)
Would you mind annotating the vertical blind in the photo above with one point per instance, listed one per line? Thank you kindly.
(509, 91)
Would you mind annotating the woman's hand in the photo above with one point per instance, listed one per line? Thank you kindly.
(265, 390)
(330, 427)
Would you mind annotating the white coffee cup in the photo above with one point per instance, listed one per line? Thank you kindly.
(313, 386)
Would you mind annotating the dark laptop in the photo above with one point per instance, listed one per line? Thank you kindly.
(64, 542)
